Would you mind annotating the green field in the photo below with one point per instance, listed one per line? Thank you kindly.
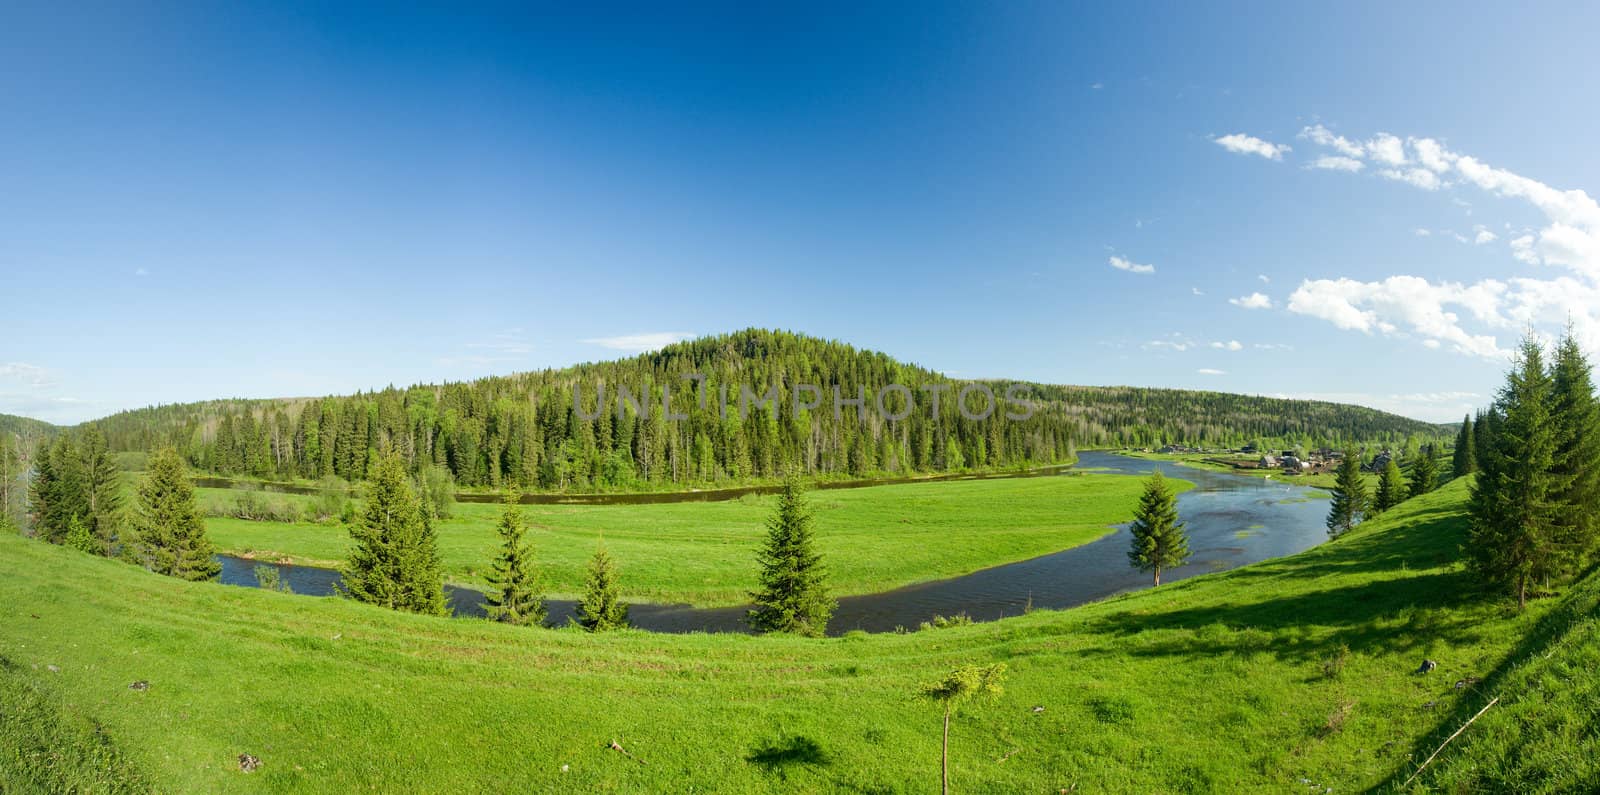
(1280, 676)
(874, 538)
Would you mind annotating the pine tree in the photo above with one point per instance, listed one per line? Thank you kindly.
(514, 599)
(1512, 530)
(1349, 505)
(1575, 462)
(1159, 539)
(1424, 473)
(1391, 488)
(396, 560)
(80, 538)
(103, 491)
(601, 608)
(1465, 460)
(793, 595)
(172, 533)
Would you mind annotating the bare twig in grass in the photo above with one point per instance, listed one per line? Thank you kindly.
(1447, 740)
(1012, 753)
(616, 746)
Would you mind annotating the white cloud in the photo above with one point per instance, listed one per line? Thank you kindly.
(1242, 144)
(1177, 342)
(141, 272)
(1272, 346)
(1124, 264)
(1402, 302)
(24, 374)
(1570, 239)
(1337, 163)
(1252, 301)
(1230, 345)
(1322, 136)
(1443, 406)
(1420, 232)
(1419, 177)
(1387, 149)
(640, 343)
(1197, 291)
(1211, 371)
(1265, 279)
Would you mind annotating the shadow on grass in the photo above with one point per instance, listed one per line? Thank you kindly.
(786, 752)
(1388, 591)
(1582, 600)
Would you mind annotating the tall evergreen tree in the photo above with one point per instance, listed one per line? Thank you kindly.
(793, 595)
(396, 560)
(1159, 539)
(601, 608)
(172, 533)
(1465, 460)
(1575, 461)
(1391, 488)
(103, 491)
(1425, 472)
(1512, 536)
(1350, 502)
(514, 598)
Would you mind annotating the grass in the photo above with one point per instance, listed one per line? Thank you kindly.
(873, 539)
(1273, 677)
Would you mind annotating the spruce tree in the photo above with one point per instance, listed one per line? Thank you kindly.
(1159, 539)
(80, 538)
(396, 560)
(172, 533)
(514, 598)
(1465, 460)
(601, 608)
(1391, 488)
(103, 492)
(793, 595)
(1349, 505)
(1512, 533)
(1424, 473)
(1575, 462)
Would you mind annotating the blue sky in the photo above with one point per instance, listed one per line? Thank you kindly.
(1360, 202)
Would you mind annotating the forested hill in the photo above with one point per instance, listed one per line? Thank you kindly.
(524, 430)
(12, 425)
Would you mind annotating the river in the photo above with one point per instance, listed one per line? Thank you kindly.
(1232, 520)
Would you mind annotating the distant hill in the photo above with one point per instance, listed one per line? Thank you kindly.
(25, 426)
(523, 430)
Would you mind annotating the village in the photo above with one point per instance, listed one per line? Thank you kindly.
(1288, 462)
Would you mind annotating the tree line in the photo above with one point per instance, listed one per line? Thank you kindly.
(1534, 515)
(526, 431)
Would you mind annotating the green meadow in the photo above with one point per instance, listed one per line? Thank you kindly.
(1282, 676)
(873, 539)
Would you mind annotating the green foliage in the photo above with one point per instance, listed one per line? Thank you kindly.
(79, 537)
(171, 531)
(437, 491)
(513, 597)
(793, 594)
(956, 688)
(1465, 459)
(946, 622)
(1515, 542)
(1424, 473)
(602, 609)
(527, 431)
(1350, 503)
(1159, 540)
(395, 562)
(1575, 461)
(1391, 488)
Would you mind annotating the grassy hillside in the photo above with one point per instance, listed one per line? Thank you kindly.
(1293, 672)
(873, 538)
